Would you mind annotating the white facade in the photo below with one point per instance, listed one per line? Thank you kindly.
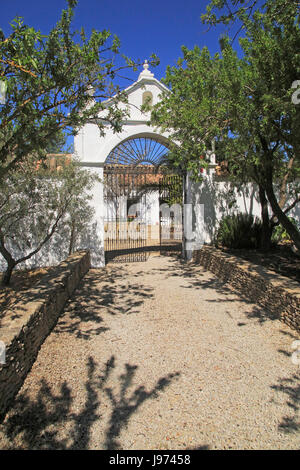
(92, 150)
(212, 198)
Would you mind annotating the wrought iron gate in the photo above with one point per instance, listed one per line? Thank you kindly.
(133, 227)
(125, 222)
(170, 220)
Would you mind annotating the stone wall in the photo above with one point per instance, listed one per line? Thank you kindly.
(24, 328)
(277, 294)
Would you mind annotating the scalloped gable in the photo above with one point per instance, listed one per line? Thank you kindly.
(93, 148)
(146, 77)
(145, 83)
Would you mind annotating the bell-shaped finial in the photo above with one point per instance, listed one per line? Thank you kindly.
(146, 72)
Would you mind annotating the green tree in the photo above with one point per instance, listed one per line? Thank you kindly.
(230, 12)
(187, 113)
(58, 145)
(55, 82)
(246, 105)
(37, 202)
(266, 140)
(256, 17)
(79, 218)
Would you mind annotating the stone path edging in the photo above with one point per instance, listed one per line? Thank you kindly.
(31, 320)
(278, 294)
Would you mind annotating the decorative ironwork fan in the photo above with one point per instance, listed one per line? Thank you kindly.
(137, 151)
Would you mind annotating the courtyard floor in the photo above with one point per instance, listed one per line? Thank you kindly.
(159, 355)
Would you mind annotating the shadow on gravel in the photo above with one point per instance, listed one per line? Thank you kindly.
(48, 422)
(123, 407)
(196, 278)
(290, 387)
(203, 447)
(101, 290)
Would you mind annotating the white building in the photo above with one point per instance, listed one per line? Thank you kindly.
(137, 144)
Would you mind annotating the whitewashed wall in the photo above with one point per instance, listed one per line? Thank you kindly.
(211, 199)
(218, 198)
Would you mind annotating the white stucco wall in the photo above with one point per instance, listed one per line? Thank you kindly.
(212, 198)
(91, 147)
(219, 198)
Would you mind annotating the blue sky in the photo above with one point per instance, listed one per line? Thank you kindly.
(160, 27)
(156, 26)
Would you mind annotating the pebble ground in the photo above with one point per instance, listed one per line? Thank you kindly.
(159, 355)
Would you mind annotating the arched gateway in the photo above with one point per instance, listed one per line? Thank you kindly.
(129, 220)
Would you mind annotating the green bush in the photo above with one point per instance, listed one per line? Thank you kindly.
(239, 231)
(280, 234)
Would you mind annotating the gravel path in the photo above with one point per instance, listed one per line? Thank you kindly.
(159, 355)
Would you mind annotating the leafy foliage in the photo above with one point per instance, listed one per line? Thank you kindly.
(186, 112)
(239, 231)
(230, 12)
(55, 82)
(36, 202)
(58, 145)
(280, 234)
(245, 105)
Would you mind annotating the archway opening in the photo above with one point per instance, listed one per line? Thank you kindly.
(140, 193)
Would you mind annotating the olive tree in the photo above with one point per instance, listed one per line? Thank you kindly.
(37, 202)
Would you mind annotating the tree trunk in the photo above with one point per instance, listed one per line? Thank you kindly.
(72, 238)
(265, 242)
(187, 253)
(7, 275)
(282, 217)
(268, 186)
(183, 253)
(11, 263)
(183, 250)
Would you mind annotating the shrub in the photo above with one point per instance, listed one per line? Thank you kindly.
(280, 234)
(239, 231)
(38, 202)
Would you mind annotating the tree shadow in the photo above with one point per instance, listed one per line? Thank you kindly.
(84, 420)
(100, 293)
(291, 334)
(290, 386)
(220, 198)
(39, 423)
(27, 422)
(202, 447)
(196, 278)
(123, 407)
